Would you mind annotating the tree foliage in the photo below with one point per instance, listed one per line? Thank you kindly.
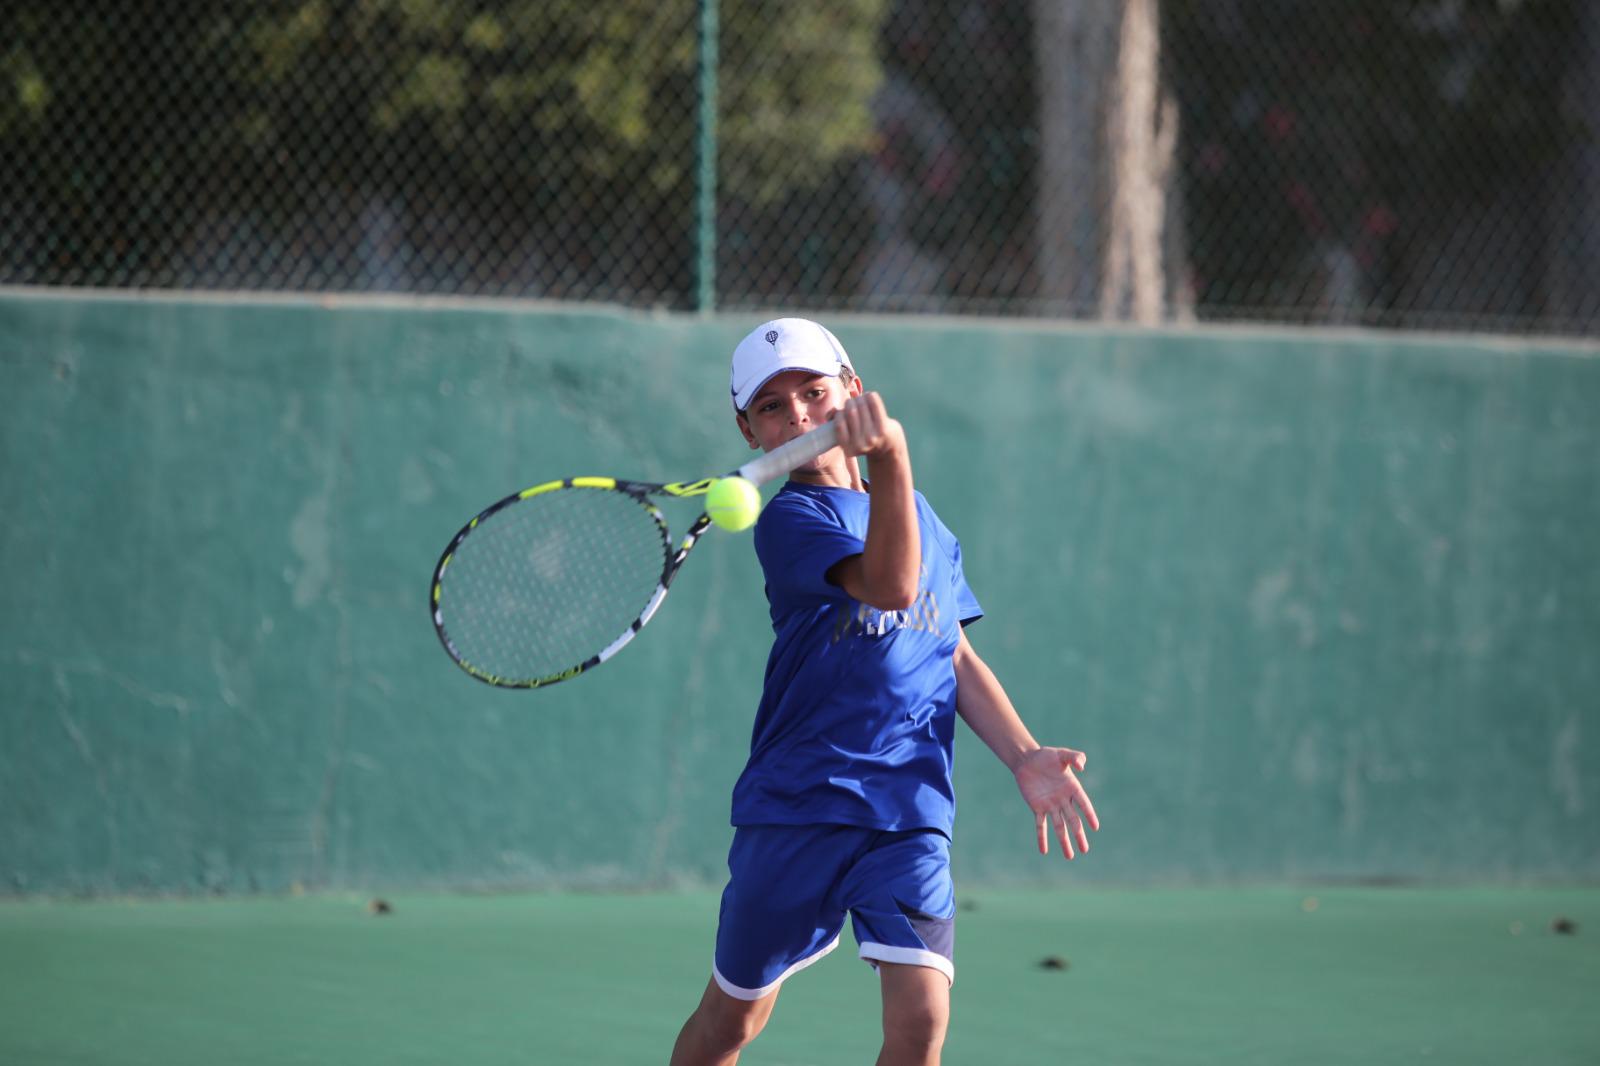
(1376, 136)
(583, 112)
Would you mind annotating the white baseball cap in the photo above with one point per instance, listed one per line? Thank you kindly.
(779, 345)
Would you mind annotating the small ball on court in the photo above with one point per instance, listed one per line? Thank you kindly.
(733, 504)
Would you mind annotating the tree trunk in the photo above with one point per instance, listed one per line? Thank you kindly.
(1109, 237)
(1143, 143)
(1075, 51)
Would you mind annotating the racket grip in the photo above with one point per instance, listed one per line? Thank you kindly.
(783, 459)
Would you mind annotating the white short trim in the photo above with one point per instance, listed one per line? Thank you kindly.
(872, 954)
(761, 993)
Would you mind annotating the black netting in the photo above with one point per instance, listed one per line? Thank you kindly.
(1426, 164)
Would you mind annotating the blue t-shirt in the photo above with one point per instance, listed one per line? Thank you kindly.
(857, 715)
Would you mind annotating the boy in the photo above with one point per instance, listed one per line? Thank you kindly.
(846, 803)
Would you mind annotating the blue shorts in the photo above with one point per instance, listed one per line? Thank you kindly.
(791, 886)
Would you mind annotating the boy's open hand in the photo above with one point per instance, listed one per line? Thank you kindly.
(865, 428)
(1049, 783)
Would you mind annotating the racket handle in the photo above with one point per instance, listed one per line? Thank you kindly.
(781, 460)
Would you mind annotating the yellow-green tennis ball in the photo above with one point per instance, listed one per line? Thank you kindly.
(733, 504)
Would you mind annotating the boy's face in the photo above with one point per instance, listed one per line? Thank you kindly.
(792, 403)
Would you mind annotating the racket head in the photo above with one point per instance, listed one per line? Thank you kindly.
(550, 581)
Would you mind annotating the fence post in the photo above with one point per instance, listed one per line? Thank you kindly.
(706, 205)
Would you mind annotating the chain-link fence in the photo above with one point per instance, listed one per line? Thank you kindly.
(1378, 162)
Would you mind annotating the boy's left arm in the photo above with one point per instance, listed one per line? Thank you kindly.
(1047, 777)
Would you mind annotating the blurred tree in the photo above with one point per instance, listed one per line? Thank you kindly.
(94, 146)
(576, 116)
(1404, 162)
(1141, 277)
(379, 139)
(1075, 50)
(613, 81)
(1109, 213)
(1372, 161)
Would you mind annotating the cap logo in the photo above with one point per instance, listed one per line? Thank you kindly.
(772, 337)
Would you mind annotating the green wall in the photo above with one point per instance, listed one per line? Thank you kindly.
(1318, 606)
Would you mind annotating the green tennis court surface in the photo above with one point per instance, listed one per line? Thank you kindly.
(1350, 975)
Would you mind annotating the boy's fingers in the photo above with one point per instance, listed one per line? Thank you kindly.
(849, 423)
(1061, 835)
(866, 411)
(1044, 835)
(1088, 810)
(1081, 833)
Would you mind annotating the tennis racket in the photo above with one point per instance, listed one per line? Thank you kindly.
(556, 579)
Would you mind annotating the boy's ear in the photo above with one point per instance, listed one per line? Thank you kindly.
(855, 388)
(744, 427)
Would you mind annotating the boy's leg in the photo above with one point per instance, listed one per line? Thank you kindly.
(720, 1027)
(916, 1013)
(902, 902)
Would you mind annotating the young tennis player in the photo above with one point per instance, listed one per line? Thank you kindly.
(846, 805)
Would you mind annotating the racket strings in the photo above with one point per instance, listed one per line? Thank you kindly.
(543, 584)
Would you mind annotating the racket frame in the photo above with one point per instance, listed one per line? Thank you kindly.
(758, 471)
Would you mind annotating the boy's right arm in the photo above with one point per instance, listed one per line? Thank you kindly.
(886, 573)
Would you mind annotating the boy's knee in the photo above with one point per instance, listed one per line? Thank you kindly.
(730, 1032)
(730, 1024)
(916, 1026)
